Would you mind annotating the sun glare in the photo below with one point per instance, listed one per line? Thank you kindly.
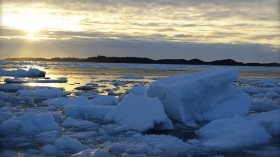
(33, 20)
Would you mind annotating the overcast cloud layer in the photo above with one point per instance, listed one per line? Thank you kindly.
(247, 30)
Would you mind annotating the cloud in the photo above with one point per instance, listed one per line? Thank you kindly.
(201, 22)
(156, 50)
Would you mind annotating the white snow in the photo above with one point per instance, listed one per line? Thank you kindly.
(28, 80)
(230, 133)
(32, 72)
(140, 113)
(67, 143)
(43, 92)
(205, 95)
(105, 100)
(28, 123)
(132, 77)
(97, 111)
(269, 120)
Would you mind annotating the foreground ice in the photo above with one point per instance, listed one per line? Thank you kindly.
(28, 123)
(32, 72)
(232, 133)
(269, 120)
(140, 113)
(150, 145)
(206, 95)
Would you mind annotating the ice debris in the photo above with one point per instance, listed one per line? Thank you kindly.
(230, 133)
(205, 95)
(32, 72)
(140, 114)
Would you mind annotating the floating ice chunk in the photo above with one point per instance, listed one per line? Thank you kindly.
(262, 105)
(132, 77)
(47, 136)
(230, 133)
(85, 87)
(151, 145)
(28, 80)
(29, 122)
(105, 100)
(49, 149)
(139, 90)
(33, 72)
(65, 143)
(70, 122)
(97, 111)
(43, 92)
(253, 90)
(205, 95)
(269, 120)
(140, 113)
(3, 95)
(81, 100)
(91, 153)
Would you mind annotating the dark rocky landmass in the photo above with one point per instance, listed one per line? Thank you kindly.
(104, 59)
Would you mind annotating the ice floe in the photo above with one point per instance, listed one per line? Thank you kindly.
(66, 143)
(70, 122)
(28, 80)
(32, 72)
(105, 100)
(140, 113)
(139, 90)
(269, 120)
(97, 111)
(28, 123)
(150, 145)
(44, 92)
(132, 77)
(205, 95)
(232, 133)
(91, 153)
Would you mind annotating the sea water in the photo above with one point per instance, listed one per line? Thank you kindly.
(109, 78)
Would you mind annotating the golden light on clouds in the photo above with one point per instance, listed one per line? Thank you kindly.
(184, 21)
(36, 18)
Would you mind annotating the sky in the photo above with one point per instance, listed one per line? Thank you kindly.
(243, 30)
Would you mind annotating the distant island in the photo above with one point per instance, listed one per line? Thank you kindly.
(104, 59)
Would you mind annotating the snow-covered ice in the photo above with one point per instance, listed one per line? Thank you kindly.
(205, 95)
(140, 113)
(32, 72)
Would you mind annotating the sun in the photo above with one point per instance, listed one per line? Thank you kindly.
(34, 22)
